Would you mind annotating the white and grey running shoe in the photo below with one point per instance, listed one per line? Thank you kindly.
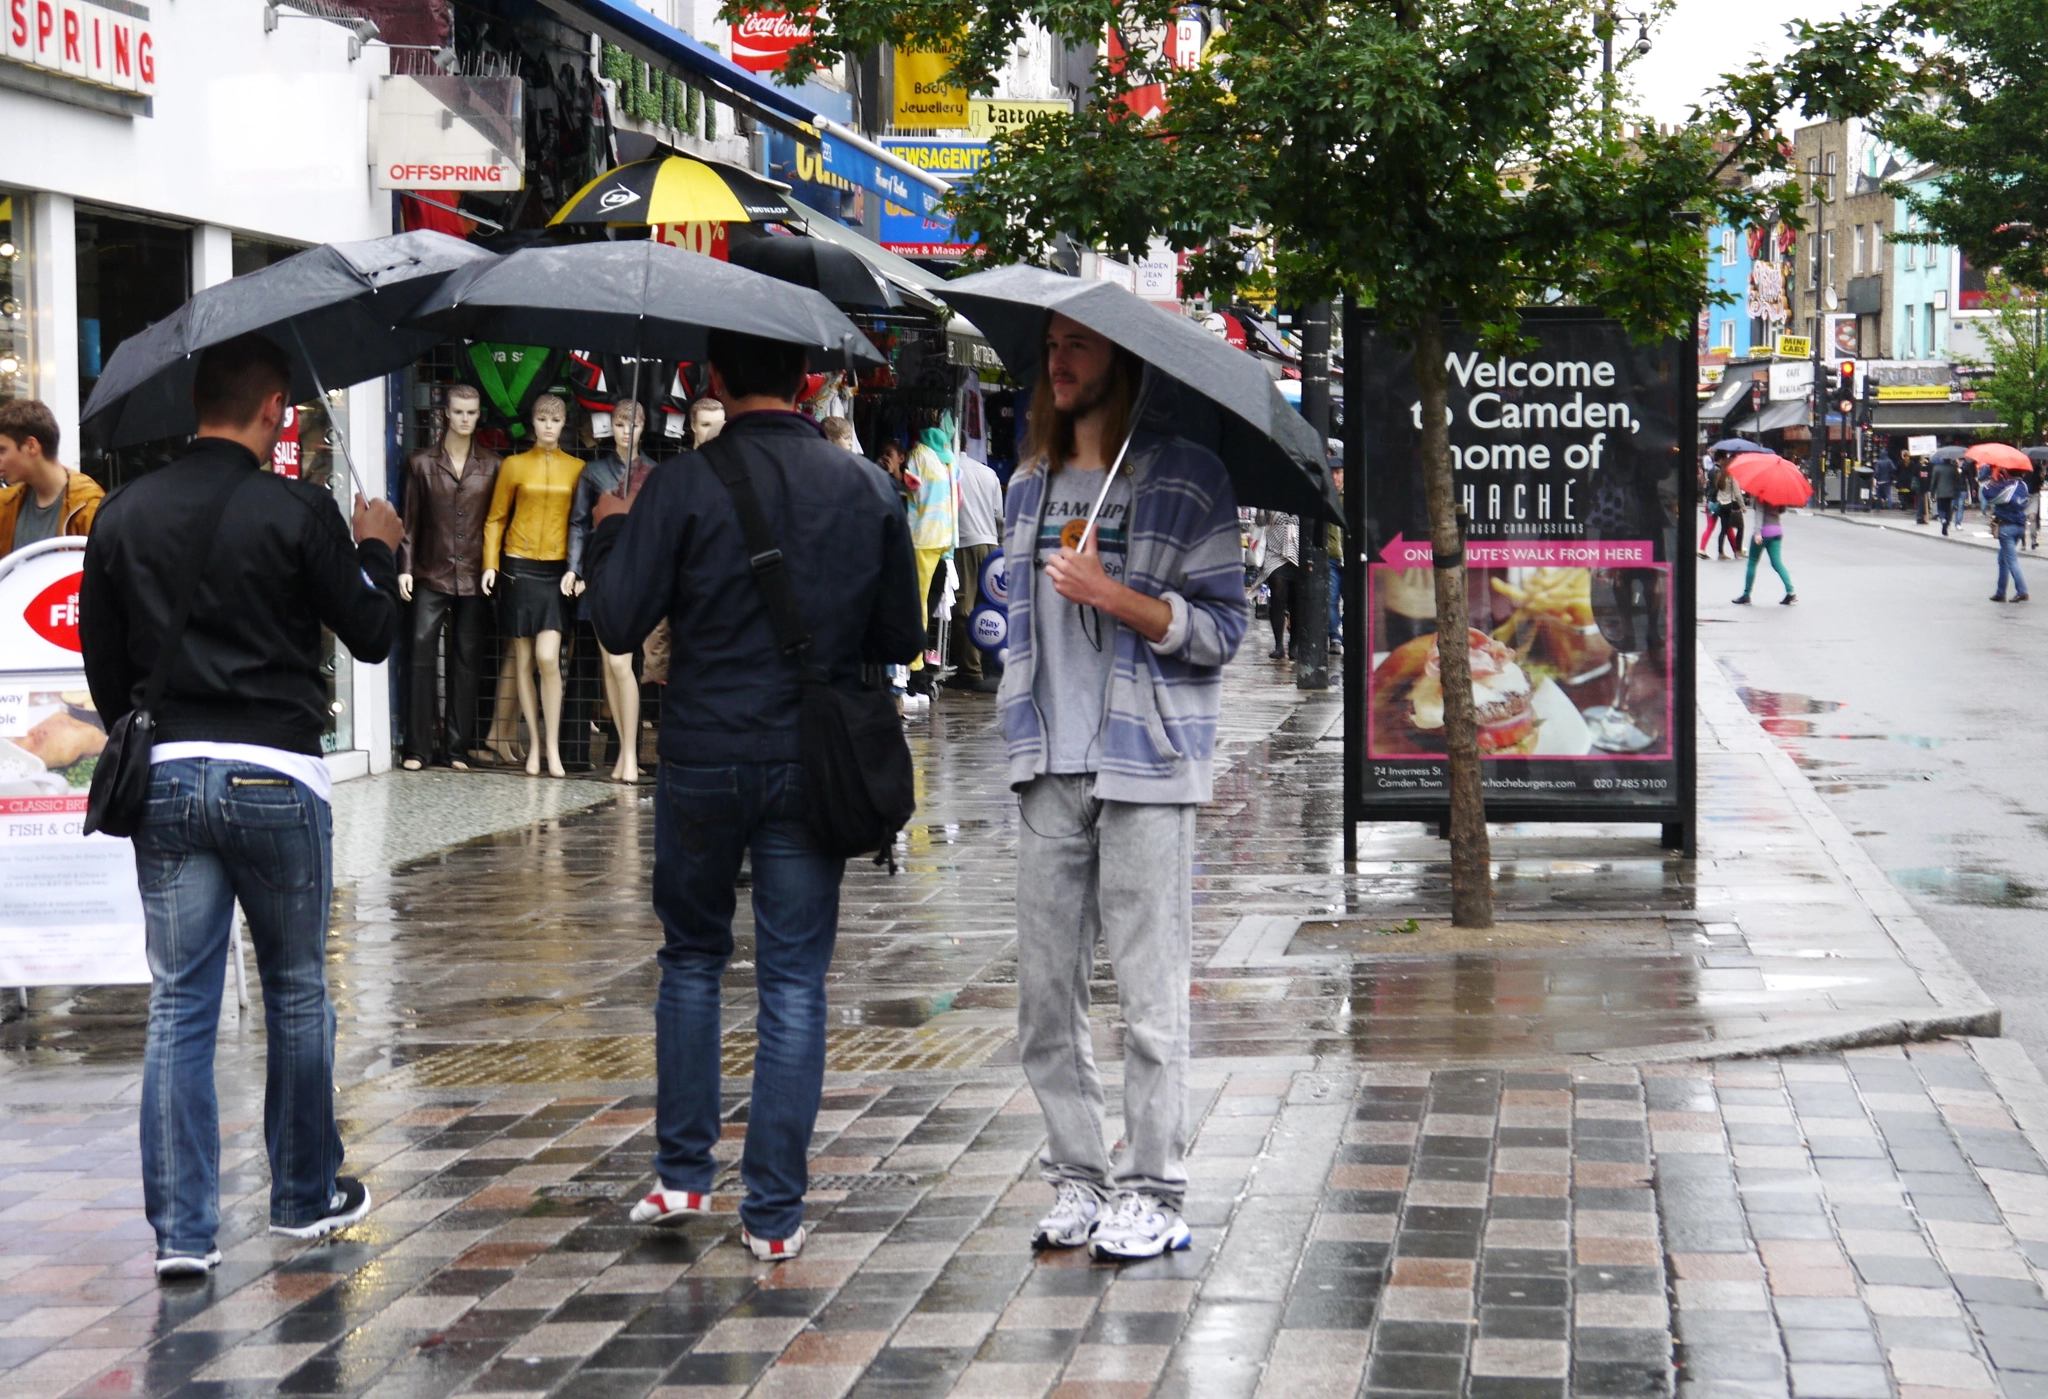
(177, 1267)
(1138, 1226)
(1071, 1219)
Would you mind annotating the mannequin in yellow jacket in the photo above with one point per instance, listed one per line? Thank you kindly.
(934, 514)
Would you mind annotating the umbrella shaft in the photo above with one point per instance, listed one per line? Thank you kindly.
(1110, 480)
(355, 483)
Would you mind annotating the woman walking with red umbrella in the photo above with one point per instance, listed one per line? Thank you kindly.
(1776, 485)
(2005, 497)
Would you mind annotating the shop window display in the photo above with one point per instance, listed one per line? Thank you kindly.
(132, 272)
(305, 449)
(15, 361)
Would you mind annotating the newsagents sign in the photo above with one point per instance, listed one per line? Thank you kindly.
(1572, 472)
(924, 231)
(110, 45)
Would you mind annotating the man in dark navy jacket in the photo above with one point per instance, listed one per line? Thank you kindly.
(731, 771)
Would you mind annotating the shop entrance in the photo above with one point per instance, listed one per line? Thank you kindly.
(132, 272)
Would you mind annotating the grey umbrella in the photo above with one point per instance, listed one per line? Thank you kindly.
(638, 298)
(1226, 400)
(1949, 454)
(1737, 444)
(335, 309)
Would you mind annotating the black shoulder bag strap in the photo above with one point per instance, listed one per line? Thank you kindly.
(764, 556)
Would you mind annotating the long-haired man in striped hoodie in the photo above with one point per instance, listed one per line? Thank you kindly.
(1118, 638)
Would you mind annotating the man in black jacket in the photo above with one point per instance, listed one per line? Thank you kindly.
(238, 793)
(731, 775)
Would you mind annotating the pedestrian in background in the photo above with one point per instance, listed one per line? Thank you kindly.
(1281, 573)
(1946, 485)
(238, 789)
(1118, 639)
(1882, 475)
(1770, 532)
(2005, 495)
(1728, 501)
(43, 497)
(1333, 545)
(981, 516)
(732, 775)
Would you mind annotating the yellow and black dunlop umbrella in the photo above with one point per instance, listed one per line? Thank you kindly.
(676, 189)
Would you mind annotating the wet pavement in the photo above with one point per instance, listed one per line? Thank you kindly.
(1908, 700)
(1433, 1172)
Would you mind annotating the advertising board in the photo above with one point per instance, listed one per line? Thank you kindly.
(70, 912)
(1572, 470)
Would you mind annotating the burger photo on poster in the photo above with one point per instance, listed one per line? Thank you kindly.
(1502, 696)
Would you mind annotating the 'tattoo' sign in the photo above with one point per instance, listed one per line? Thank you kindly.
(761, 41)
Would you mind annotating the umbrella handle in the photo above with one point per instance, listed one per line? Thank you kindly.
(355, 482)
(1109, 480)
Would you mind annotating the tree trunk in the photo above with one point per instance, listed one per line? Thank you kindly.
(1471, 857)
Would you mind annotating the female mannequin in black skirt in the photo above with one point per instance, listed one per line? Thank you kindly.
(526, 545)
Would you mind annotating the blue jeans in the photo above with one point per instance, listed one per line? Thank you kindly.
(1336, 602)
(705, 819)
(2009, 559)
(217, 832)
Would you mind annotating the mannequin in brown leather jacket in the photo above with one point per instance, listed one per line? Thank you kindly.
(440, 567)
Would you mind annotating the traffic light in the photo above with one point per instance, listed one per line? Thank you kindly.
(1846, 384)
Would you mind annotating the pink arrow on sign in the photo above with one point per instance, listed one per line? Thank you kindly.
(1404, 553)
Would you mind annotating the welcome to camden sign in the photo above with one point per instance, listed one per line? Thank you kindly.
(1572, 470)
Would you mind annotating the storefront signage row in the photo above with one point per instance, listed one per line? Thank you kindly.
(109, 45)
(925, 232)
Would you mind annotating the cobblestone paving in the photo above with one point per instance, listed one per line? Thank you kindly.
(1408, 1178)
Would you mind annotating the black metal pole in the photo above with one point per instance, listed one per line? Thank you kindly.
(1312, 617)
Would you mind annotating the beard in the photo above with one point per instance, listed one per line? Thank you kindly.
(1089, 394)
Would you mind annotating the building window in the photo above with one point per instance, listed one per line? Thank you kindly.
(1728, 247)
(1933, 339)
(1727, 340)
(17, 365)
(1827, 245)
(1908, 334)
(132, 272)
(1856, 252)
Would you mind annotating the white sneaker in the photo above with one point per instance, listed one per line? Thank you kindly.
(1138, 1226)
(1072, 1218)
(665, 1206)
(176, 1267)
(775, 1250)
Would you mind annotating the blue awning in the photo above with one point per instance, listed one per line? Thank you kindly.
(623, 23)
(844, 154)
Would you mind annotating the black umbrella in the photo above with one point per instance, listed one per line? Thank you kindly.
(638, 298)
(334, 309)
(843, 275)
(1228, 402)
(1949, 454)
(2037, 455)
(1737, 444)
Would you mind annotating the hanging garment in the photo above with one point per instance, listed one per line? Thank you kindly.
(511, 377)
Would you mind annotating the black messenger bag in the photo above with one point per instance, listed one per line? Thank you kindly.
(856, 762)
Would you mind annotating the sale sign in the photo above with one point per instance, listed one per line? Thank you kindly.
(762, 39)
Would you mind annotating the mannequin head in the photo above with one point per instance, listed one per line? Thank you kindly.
(465, 406)
(550, 415)
(629, 421)
(707, 420)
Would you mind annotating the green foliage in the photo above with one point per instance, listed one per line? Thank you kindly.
(2017, 340)
(647, 93)
(1978, 108)
(1423, 156)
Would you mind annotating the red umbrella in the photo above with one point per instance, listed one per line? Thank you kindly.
(1771, 479)
(2006, 461)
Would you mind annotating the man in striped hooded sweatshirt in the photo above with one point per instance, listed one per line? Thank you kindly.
(1118, 639)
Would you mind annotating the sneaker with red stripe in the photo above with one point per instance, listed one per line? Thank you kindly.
(666, 1206)
(774, 1250)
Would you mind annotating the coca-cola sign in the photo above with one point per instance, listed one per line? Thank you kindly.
(762, 40)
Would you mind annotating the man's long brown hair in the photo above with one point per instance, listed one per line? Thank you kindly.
(1049, 433)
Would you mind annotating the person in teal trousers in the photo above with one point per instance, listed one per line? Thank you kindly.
(1768, 540)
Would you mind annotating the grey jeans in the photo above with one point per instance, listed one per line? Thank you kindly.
(1121, 873)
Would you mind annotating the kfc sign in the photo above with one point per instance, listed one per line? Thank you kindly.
(109, 46)
(761, 41)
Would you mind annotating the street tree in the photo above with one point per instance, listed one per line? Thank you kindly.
(1974, 108)
(2016, 352)
(1443, 161)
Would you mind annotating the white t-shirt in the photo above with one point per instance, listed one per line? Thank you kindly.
(300, 767)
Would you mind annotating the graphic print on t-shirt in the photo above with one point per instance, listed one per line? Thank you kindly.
(1067, 519)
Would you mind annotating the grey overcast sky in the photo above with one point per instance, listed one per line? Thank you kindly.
(1702, 39)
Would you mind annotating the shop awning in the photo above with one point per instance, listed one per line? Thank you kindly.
(1729, 396)
(1791, 413)
(1931, 417)
(623, 23)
